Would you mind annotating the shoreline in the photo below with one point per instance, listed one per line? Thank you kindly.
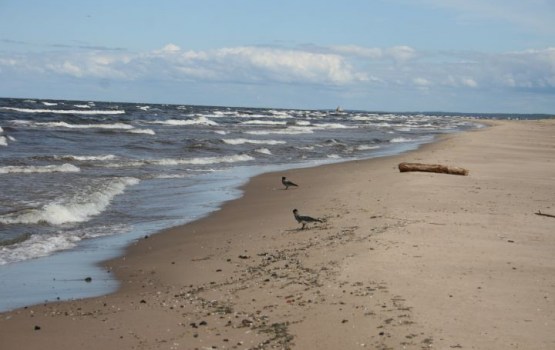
(401, 260)
(86, 259)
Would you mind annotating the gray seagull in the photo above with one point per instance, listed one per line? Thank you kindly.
(287, 183)
(302, 219)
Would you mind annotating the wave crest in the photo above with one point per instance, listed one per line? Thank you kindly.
(64, 168)
(63, 111)
(80, 208)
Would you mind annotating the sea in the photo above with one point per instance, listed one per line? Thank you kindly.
(81, 180)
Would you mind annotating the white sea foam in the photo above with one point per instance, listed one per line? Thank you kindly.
(82, 106)
(220, 132)
(86, 158)
(39, 245)
(280, 114)
(401, 139)
(264, 151)
(242, 141)
(115, 126)
(203, 160)
(63, 111)
(332, 126)
(64, 168)
(170, 176)
(186, 161)
(292, 130)
(79, 208)
(1, 130)
(202, 120)
(262, 122)
(366, 147)
(142, 131)
(3, 141)
(49, 103)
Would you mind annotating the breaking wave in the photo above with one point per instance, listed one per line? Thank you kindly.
(202, 120)
(79, 208)
(64, 168)
(63, 111)
(256, 142)
(185, 161)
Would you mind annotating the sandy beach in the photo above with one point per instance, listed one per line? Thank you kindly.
(401, 261)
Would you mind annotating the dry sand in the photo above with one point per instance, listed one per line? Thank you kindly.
(403, 260)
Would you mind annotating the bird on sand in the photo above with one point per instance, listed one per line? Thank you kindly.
(287, 183)
(303, 219)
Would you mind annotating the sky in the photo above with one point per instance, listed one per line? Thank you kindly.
(489, 56)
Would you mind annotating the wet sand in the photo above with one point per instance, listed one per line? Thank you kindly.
(402, 260)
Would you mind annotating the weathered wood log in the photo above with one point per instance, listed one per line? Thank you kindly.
(543, 214)
(432, 168)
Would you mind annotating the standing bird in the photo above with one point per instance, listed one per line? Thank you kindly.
(301, 219)
(287, 183)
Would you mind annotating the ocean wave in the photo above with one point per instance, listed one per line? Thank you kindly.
(332, 126)
(142, 131)
(203, 160)
(401, 139)
(262, 122)
(263, 151)
(187, 161)
(202, 120)
(64, 168)
(49, 103)
(366, 147)
(80, 208)
(280, 114)
(82, 106)
(3, 141)
(256, 142)
(85, 158)
(36, 246)
(292, 130)
(121, 126)
(32, 246)
(368, 117)
(63, 111)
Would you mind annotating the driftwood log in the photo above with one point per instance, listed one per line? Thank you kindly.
(432, 168)
(544, 214)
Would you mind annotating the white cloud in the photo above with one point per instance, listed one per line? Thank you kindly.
(65, 67)
(396, 53)
(372, 53)
(419, 81)
(401, 53)
(334, 66)
(292, 65)
(171, 48)
(469, 82)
